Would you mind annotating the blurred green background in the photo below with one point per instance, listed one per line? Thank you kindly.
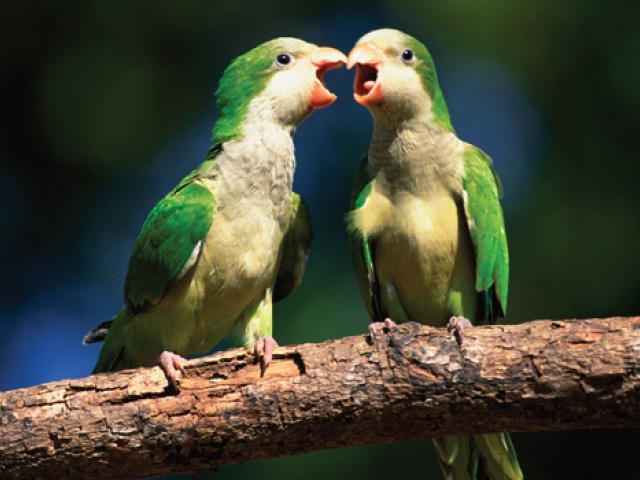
(106, 105)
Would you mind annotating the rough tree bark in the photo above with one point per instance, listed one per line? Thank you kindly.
(414, 383)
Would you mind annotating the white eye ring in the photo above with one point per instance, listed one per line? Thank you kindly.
(407, 56)
(284, 59)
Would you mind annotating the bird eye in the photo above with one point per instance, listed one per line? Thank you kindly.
(283, 59)
(407, 55)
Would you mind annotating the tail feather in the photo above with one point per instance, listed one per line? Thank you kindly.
(456, 458)
(111, 357)
(97, 334)
(489, 456)
(498, 456)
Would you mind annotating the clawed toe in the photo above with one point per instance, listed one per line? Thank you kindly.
(457, 325)
(263, 350)
(378, 328)
(171, 363)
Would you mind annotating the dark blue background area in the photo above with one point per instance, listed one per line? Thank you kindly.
(104, 107)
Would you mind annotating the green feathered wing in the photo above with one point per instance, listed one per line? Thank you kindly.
(168, 244)
(360, 248)
(166, 249)
(482, 192)
(296, 246)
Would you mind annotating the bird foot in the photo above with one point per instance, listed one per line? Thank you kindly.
(170, 364)
(263, 350)
(378, 328)
(457, 325)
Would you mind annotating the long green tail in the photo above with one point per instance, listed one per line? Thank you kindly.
(478, 457)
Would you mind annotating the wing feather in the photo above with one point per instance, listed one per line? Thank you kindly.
(360, 247)
(482, 192)
(297, 243)
(169, 243)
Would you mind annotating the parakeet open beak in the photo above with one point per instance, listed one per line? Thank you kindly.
(366, 86)
(324, 59)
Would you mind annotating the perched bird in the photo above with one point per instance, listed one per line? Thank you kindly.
(426, 231)
(232, 237)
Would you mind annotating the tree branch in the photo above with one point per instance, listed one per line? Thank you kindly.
(414, 383)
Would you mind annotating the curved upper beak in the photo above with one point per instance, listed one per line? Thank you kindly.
(364, 54)
(366, 86)
(327, 58)
(324, 59)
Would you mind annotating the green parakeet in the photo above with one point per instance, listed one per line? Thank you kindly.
(232, 237)
(426, 230)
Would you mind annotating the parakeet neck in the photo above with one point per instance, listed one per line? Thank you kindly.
(257, 169)
(416, 154)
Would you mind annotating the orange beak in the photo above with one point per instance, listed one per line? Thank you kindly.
(366, 86)
(324, 59)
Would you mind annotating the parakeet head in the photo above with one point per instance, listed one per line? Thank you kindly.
(278, 81)
(396, 78)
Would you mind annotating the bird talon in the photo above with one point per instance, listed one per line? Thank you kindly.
(378, 329)
(263, 350)
(171, 363)
(457, 325)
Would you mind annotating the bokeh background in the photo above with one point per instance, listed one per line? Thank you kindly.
(106, 105)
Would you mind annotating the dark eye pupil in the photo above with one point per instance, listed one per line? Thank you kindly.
(283, 59)
(407, 54)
